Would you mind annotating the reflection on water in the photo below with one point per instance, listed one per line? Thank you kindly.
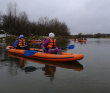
(49, 69)
(31, 69)
(82, 42)
(26, 75)
(68, 65)
(16, 64)
(98, 41)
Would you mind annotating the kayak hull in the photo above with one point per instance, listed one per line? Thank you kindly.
(82, 40)
(68, 65)
(40, 55)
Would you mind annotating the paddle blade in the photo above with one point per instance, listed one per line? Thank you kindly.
(30, 52)
(30, 69)
(71, 47)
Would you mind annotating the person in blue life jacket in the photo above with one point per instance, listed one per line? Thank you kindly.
(20, 43)
(85, 38)
(49, 45)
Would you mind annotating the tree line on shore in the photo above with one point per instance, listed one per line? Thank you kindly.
(14, 23)
(97, 35)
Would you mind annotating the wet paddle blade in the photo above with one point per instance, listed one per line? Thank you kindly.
(71, 47)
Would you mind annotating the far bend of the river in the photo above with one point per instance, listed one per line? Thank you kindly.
(88, 75)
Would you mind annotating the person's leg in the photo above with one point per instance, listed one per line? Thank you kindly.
(49, 51)
(59, 51)
(52, 51)
(18, 47)
(26, 48)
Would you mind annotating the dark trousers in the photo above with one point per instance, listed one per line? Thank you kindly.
(25, 48)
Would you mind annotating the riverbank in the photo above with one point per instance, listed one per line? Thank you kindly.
(13, 38)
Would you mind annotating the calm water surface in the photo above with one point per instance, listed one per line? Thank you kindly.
(89, 75)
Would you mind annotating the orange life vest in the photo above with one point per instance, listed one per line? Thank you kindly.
(33, 38)
(21, 42)
(84, 38)
(51, 44)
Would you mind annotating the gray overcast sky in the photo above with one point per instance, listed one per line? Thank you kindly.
(85, 16)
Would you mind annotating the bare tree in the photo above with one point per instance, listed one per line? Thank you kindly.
(16, 23)
(0, 20)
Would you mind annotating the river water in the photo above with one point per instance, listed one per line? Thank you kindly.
(88, 75)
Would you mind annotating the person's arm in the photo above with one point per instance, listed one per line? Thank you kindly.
(45, 43)
(15, 43)
(56, 46)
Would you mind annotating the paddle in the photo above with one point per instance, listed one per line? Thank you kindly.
(70, 47)
(31, 68)
(31, 52)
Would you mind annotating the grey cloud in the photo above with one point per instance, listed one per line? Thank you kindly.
(86, 16)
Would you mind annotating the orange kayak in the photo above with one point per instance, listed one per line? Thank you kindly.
(67, 65)
(82, 40)
(74, 39)
(40, 55)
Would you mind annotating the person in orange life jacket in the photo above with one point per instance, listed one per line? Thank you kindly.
(49, 45)
(85, 38)
(33, 38)
(81, 38)
(20, 43)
